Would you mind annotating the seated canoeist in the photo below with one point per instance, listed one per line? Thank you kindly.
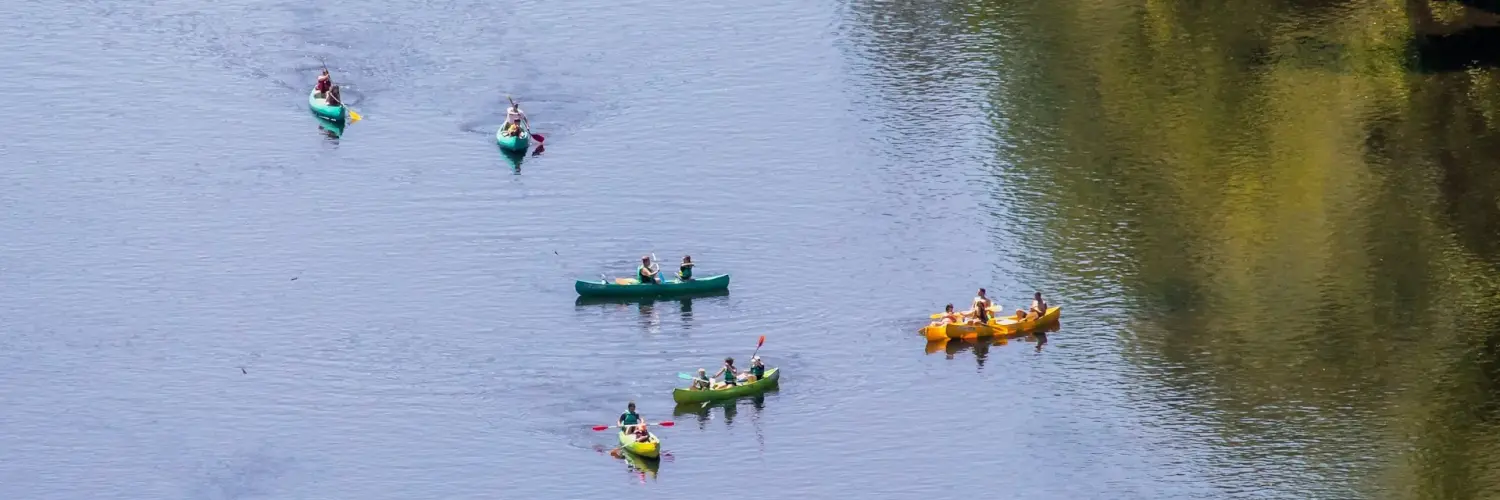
(728, 374)
(685, 271)
(948, 316)
(647, 273)
(325, 81)
(513, 117)
(981, 315)
(641, 435)
(701, 381)
(982, 301)
(757, 370)
(332, 96)
(1038, 306)
(630, 420)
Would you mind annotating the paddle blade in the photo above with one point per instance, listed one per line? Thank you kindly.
(539, 138)
(354, 117)
(684, 376)
(761, 343)
(667, 423)
(600, 427)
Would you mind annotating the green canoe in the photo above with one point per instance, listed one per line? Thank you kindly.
(321, 108)
(629, 287)
(700, 396)
(517, 143)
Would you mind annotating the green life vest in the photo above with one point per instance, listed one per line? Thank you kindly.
(630, 418)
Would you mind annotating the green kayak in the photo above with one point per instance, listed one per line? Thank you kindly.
(651, 448)
(701, 396)
(629, 287)
(321, 108)
(518, 142)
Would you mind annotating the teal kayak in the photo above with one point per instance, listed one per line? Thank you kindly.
(321, 108)
(629, 287)
(519, 142)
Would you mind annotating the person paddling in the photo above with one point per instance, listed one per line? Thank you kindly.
(728, 373)
(949, 316)
(630, 420)
(701, 381)
(981, 315)
(325, 81)
(513, 118)
(982, 301)
(646, 273)
(333, 96)
(1038, 306)
(757, 370)
(685, 271)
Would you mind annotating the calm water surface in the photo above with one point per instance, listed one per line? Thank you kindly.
(1274, 229)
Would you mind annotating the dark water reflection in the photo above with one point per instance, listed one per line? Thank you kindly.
(1299, 233)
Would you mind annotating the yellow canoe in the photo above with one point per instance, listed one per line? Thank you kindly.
(651, 448)
(1002, 326)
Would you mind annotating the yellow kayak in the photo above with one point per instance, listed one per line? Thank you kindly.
(1003, 326)
(649, 449)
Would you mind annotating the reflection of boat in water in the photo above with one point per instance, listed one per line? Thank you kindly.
(704, 411)
(647, 306)
(685, 300)
(513, 158)
(334, 130)
(643, 465)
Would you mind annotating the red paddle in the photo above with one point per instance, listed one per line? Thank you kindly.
(667, 423)
(758, 344)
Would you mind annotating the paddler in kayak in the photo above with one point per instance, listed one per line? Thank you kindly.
(332, 97)
(325, 81)
(646, 273)
(757, 370)
(728, 373)
(641, 435)
(1038, 306)
(685, 271)
(982, 301)
(949, 316)
(981, 315)
(513, 117)
(701, 382)
(630, 420)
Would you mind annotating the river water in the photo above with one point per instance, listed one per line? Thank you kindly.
(1273, 227)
